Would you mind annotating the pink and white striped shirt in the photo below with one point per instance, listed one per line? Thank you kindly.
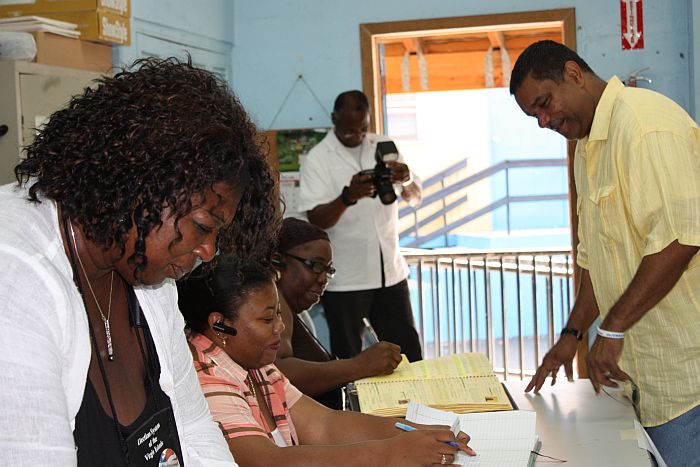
(231, 401)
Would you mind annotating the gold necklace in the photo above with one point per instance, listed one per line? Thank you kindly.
(251, 386)
(105, 320)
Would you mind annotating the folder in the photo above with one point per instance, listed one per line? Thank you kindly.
(459, 383)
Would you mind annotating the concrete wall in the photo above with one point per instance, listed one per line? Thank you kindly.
(276, 40)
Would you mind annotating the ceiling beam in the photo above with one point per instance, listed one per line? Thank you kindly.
(413, 45)
(497, 39)
(472, 45)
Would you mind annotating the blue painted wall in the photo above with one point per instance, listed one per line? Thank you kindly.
(276, 40)
(212, 18)
(173, 27)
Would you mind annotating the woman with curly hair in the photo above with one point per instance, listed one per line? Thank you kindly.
(122, 192)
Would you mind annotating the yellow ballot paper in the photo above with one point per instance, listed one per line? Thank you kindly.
(459, 383)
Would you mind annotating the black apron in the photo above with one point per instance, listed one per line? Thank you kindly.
(151, 440)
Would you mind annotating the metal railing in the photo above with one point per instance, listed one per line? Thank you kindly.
(419, 222)
(509, 305)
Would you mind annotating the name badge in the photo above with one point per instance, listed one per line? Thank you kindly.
(155, 442)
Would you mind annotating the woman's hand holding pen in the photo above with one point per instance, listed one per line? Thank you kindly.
(427, 447)
(463, 441)
(380, 359)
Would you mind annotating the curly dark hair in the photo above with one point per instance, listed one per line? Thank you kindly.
(150, 138)
(545, 60)
(224, 289)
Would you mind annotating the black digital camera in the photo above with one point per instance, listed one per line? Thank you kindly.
(381, 173)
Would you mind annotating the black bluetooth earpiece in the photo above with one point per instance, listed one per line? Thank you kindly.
(221, 327)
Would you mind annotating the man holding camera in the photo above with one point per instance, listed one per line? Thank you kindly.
(339, 181)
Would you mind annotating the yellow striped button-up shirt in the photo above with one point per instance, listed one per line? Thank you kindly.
(638, 182)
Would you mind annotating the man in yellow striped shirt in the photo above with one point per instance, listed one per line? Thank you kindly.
(637, 173)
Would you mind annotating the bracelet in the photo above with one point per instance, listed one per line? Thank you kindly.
(409, 181)
(574, 332)
(344, 197)
(611, 334)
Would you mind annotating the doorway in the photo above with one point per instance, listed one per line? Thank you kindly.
(467, 36)
(404, 59)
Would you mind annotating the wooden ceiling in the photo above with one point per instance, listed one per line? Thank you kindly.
(455, 60)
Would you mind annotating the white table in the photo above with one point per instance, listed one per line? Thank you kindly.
(575, 425)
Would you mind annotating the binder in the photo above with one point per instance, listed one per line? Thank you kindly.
(459, 383)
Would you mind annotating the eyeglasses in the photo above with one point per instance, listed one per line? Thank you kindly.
(351, 133)
(314, 266)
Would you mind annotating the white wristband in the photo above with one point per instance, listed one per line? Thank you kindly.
(611, 334)
(409, 181)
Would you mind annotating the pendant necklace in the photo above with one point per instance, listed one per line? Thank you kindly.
(105, 320)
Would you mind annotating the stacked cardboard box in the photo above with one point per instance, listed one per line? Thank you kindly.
(54, 49)
(107, 21)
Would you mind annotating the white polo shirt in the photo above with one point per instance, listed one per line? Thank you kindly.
(364, 229)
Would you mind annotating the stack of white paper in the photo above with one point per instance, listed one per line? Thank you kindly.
(39, 23)
(499, 438)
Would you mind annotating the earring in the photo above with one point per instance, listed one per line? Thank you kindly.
(222, 339)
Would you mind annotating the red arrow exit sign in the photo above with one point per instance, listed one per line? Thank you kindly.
(631, 24)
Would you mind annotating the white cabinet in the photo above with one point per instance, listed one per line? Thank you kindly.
(29, 93)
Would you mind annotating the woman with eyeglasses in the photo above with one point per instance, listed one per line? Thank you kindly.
(236, 330)
(305, 263)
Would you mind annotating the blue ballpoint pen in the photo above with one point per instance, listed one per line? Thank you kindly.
(404, 427)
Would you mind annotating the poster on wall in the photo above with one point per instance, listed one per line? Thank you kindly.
(631, 24)
(293, 145)
(289, 193)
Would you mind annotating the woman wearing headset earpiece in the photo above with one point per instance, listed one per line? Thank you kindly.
(265, 419)
(304, 258)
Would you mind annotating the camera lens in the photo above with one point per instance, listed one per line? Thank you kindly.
(386, 192)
